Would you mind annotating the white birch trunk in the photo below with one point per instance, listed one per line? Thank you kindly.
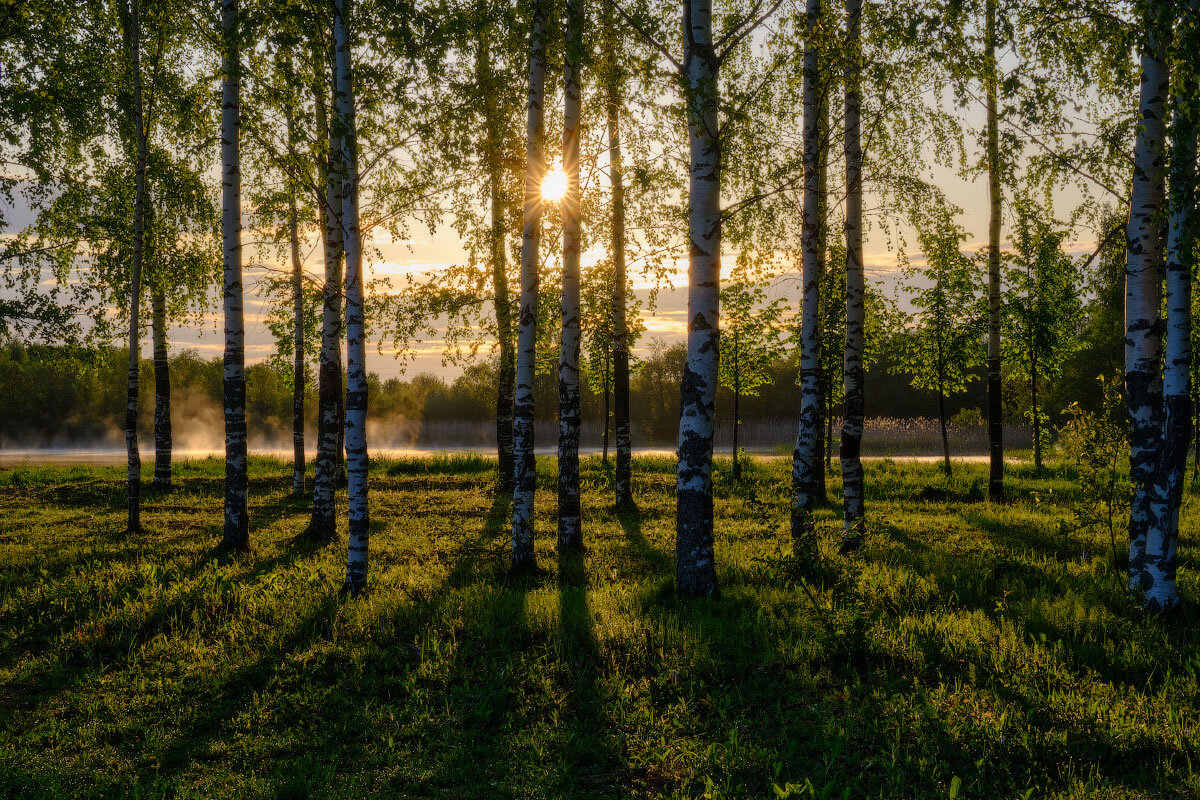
(806, 460)
(356, 367)
(134, 474)
(853, 373)
(524, 473)
(162, 390)
(1143, 325)
(695, 569)
(325, 473)
(236, 533)
(570, 533)
(1163, 539)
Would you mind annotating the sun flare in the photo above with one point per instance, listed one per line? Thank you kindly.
(554, 185)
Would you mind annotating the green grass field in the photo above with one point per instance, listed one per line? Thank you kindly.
(967, 650)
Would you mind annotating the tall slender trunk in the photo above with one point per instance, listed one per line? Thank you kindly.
(942, 422)
(737, 416)
(323, 526)
(995, 406)
(1143, 325)
(806, 457)
(237, 529)
(695, 568)
(297, 318)
(1163, 542)
(607, 410)
(134, 522)
(356, 352)
(570, 527)
(162, 390)
(613, 80)
(824, 444)
(1037, 417)
(524, 469)
(853, 373)
(493, 154)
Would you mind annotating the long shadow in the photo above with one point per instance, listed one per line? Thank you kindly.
(638, 545)
(590, 760)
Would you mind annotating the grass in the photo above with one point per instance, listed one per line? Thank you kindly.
(967, 650)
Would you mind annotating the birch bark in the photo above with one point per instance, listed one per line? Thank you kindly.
(323, 526)
(1143, 324)
(524, 472)
(570, 532)
(695, 570)
(806, 458)
(1163, 539)
(236, 533)
(134, 473)
(853, 373)
(356, 367)
(162, 390)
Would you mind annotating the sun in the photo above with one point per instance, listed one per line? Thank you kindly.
(554, 185)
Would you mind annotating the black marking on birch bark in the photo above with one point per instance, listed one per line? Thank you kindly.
(1143, 390)
(162, 392)
(323, 525)
(357, 460)
(524, 472)
(236, 531)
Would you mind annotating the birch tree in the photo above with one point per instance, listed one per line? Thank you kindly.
(1043, 310)
(995, 404)
(134, 477)
(750, 341)
(853, 370)
(1182, 236)
(806, 458)
(323, 525)
(237, 533)
(524, 471)
(570, 534)
(356, 368)
(941, 346)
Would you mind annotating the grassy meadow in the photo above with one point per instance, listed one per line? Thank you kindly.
(965, 651)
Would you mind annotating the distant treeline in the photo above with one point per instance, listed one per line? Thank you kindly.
(60, 396)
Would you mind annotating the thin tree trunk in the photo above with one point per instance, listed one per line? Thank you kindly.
(737, 423)
(356, 366)
(613, 79)
(942, 422)
(852, 368)
(1163, 542)
(237, 531)
(1037, 421)
(607, 391)
(1143, 324)
(806, 457)
(493, 157)
(995, 406)
(162, 391)
(824, 444)
(323, 526)
(134, 523)
(297, 319)
(570, 530)
(524, 468)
